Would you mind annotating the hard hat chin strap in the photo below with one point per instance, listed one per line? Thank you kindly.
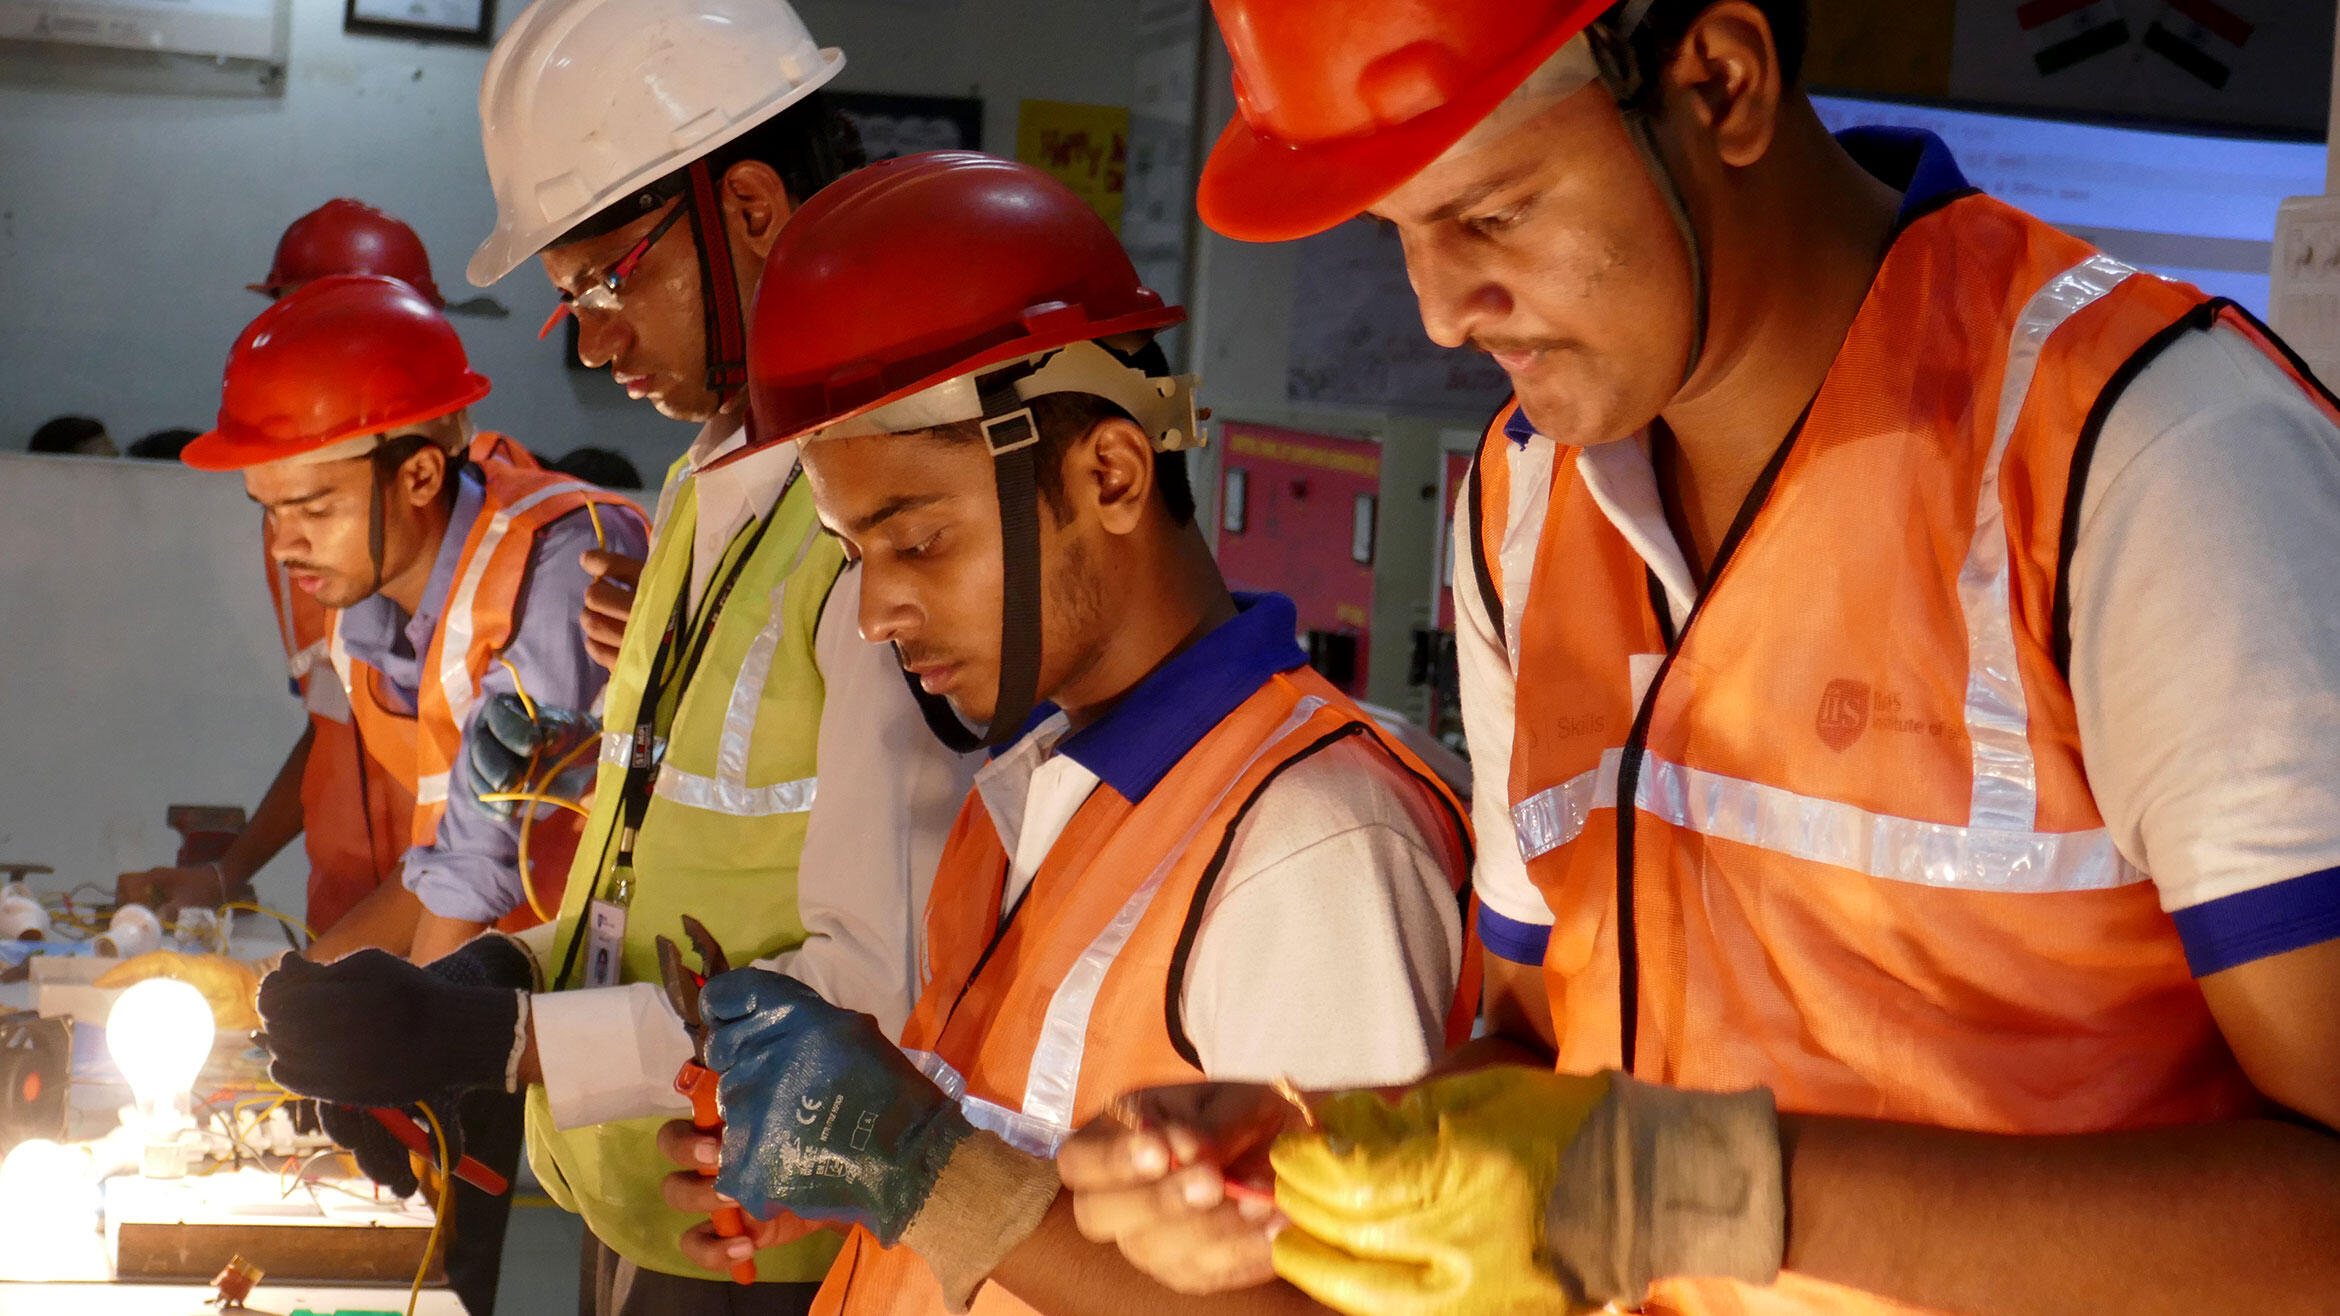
(1629, 80)
(1014, 439)
(718, 284)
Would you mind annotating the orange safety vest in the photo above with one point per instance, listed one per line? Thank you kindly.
(355, 815)
(422, 749)
(1037, 1025)
(1863, 866)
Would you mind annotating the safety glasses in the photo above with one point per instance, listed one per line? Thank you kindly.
(602, 293)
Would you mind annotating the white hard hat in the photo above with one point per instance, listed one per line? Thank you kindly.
(585, 101)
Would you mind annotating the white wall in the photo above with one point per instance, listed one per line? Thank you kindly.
(129, 223)
(139, 664)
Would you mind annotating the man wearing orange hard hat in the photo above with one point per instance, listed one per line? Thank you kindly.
(353, 816)
(1900, 667)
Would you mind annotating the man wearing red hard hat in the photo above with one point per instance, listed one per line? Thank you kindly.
(353, 817)
(1189, 855)
(346, 406)
(1900, 668)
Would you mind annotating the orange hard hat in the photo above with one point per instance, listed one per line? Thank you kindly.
(1338, 102)
(344, 358)
(348, 237)
(917, 270)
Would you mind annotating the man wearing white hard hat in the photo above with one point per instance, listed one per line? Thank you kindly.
(763, 769)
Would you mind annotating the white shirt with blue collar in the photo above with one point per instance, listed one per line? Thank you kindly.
(1329, 950)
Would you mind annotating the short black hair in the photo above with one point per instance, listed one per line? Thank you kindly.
(65, 434)
(599, 466)
(811, 144)
(163, 445)
(1063, 418)
(1669, 21)
(389, 456)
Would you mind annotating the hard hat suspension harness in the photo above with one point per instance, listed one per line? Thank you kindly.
(1013, 437)
(1621, 52)
(718, 284)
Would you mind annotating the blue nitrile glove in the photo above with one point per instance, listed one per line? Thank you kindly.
(504, 737)
(822, 1116)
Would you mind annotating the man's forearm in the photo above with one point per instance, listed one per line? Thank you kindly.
(2241, 1216)
(385, 919)
(275, 821)
(1063, 1274)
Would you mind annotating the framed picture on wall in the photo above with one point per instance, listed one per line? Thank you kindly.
(893, 125)
(470, 21)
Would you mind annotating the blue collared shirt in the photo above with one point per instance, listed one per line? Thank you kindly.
(471, 871)
(1136, 743)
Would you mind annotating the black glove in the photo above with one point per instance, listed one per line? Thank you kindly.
(507, 745)
(382, 1157)
(374, 1030)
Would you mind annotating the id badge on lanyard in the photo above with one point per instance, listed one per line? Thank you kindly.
(605, 943)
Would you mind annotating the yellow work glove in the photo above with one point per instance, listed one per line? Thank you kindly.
(1435, 1203)
(229, 985)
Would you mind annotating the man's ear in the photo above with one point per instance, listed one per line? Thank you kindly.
(755, 205)
(1112, 468)
(1726, 74)
(423, 476)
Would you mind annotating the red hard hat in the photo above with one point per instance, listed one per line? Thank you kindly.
(340, 358)
(1338, 102)
(348, 237)
(920, 269)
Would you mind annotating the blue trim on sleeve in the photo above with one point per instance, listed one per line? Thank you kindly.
(2269, 920)
(1510, 939)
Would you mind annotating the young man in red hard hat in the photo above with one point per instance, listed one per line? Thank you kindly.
(764, 769)
(353, 816)
(346, 407)
(444, 581)
(1189, 855)
(1856, 617)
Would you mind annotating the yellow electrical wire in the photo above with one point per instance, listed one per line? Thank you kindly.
(593, 514)
(534, 788)
(528, 820)
(438, 1211)
(519, 687)
(533, 797)
(279, 915)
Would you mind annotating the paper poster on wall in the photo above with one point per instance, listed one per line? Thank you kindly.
(1357, 335)
(232, 29)
(893, 125)
(2257, 63)
(1085, 146)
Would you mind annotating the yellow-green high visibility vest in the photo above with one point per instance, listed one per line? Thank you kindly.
(719, 840)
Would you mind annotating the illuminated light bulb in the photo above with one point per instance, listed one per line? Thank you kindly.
(159, 1034)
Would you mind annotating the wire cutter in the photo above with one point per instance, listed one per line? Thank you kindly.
(695, 1080)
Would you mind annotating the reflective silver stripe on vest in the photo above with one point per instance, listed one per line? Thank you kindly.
(2006, 781)
(1055, 1076)
(728, 790)
(1036, 1137)
(321, 697)
(455, 677)
(1827, 832)
(431, 789)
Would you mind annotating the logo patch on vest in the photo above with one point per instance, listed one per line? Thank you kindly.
(1844, 714)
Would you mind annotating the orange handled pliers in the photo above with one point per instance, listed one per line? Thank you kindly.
(696, 1081)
